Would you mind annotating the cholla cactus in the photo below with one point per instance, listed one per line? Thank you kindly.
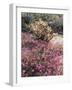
(41, 30)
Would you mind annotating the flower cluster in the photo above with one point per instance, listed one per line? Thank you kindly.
(41, 30)
(39, 57)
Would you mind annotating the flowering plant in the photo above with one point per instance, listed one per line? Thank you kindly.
(40, 58)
